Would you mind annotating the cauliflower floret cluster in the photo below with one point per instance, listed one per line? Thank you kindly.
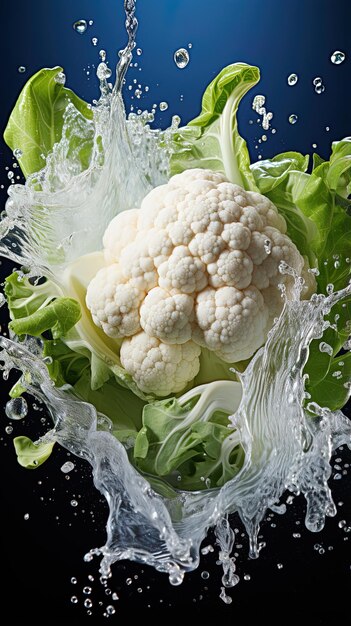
(196, 266)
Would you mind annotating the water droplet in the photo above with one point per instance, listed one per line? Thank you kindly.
(293, 118)
(138, 93)
(110, 610)
(280, 565)
(325, 347)
(342, 523)
(264, 137)
(60, 78)
(10, 175)
(17, 153)
(181, 58)
(8, 430)
(338, 57)
(88, 603)
(103, 71)
(292, 79)
(223, 596)
(80, 26)
(128, 581)
(247, 577)
(163, 106)
(67, 467)
(267, 246)
(139, 52)
(319, 89)
(317, 81)
(26, 516)
(73, 580)
(115, 596)
(16, 409)
(74, 503)
(21, 69)
(91, 22)
(74, 600)
(87, 590)
(94, 41)
(327, 128)
(205, 575)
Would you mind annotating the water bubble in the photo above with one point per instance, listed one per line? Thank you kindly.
(10, 175)
(267, 246)
(205, 575)
(317, 81)
(181, 58)
(21, 69)
(264, 137)
(247, 577)
(293, 118)
(26, 516)
(338, 57)
(319, 89)
(102, 55)
(110, 610)
(94, 41)
(17, 153)
(163, 106)
(138, 93)
(80, 26)
(115, 596)
(103, 71)
(342, 523)
(74, 600)
(73, 580)
(325, 347)
(74, 503)
(67, 467)
(16, 409)
(128, 581)
(292, 79)
(223, 596)
(8, 430)
(60, 78)
(139, 52)
(88, 603)
(280, 565)
(87, 590)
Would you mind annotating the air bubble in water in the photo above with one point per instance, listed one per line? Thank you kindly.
(293, 118)
(317, 81)
(60, 78)
(110, 610)
(73, 580)
(17, 153)
(26, 516)
(8, 430)
(319, 88)
(74, 503)
(163, 106)
(16, 409)
(67, 467)
(87, 590)
(88, 603)
(292, 79)
(21, 69)
(205, 575)
(325, 347)
(139, 52)
(337, 57)
(80, 26)
(181, 58)
(74, 600)
(94, 41)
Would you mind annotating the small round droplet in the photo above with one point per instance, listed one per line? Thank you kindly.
(16, 409)
(181, 58)
(88, 603)
(80, 26)
(10, 175)
(138, 93)
(74, 600)
(21, 69)
(247, 577)
(338, 57)
(110, 610)
(87, 590)
(60, 78)
(293, 118)
(26, 516)
(74, 503)
(317, 81)
(319, 88)
(8, 430)
(128, 581)
(67, 467)
(73, 580)
(280, 565)
(139, 52)
(94, 41)
(205, 575)
(102, 55)
(292, 79)
(17, 153)
(163, 106)
(264, 137)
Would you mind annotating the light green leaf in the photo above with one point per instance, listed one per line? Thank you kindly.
(36, 121)
(212, 139)
(59, 316)
(31, 455)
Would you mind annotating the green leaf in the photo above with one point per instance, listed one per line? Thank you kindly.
(59, 316)
(212, 139)
(333, 390)
(339, 172)
(36, 121)
(31, 455)
(185, 439)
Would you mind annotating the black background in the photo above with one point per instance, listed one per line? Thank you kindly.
(41, 554)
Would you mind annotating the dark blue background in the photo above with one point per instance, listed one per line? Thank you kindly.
(40, 556)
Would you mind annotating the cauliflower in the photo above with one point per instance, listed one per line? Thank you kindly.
(196, 266)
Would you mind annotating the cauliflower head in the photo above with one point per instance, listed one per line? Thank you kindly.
(196, 266)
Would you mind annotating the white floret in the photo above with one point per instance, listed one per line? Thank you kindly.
(120, 231)
(182, 272)
(233, 322)
(167, 317)
(138, 265)
(234, 268)
(159, 368)
(114, 302)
